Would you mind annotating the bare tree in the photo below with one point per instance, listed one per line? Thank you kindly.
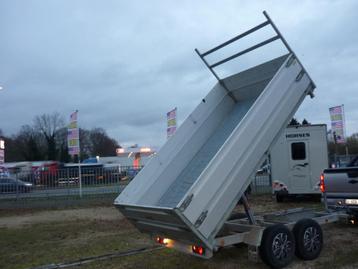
(47, 139)
(101, 143)
(28, 145)
(48, 125)
(61, 145)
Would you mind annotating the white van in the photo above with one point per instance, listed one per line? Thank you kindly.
(297, 159)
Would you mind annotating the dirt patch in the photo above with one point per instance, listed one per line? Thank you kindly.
(96, 213)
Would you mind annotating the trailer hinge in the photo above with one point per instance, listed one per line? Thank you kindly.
(186, 202)
(201, 218)
(310, 89)
(300, 75)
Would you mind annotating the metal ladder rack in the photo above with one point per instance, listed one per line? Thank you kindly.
(278, 36)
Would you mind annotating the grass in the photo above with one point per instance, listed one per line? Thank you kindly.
(36, 245)
(342, 258)
(167, 258)
(33, 205)
(63, 241)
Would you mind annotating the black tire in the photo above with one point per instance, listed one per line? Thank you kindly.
(279, 197)
(353, 214)
(309, 239)
(277, 247)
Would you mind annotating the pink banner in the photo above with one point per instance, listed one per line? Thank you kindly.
(171, 122)
(73, 116)
(74, 151)
(172, 114)
(338, 124)
(73, 135)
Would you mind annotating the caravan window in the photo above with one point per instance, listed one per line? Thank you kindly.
(298, 151)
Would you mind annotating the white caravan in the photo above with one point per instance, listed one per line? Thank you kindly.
(297, 159)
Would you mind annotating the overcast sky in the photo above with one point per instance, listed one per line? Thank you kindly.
(124, 64)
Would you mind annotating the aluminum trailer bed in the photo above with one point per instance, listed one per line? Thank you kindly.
(188, 190)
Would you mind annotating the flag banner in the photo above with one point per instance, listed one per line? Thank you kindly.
(336, 117)
(73, 125)
(337, 124)
(74, 151)
(171, 131)
(172, 114)
(73, 135)
(336, 110)
(171, 122)
(73, 116)
(73, 143)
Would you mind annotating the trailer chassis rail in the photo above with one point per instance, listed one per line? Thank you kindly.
(249, 229)
(243, 232)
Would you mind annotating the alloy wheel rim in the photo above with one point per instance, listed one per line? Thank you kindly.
(311, 239)
(281, 246)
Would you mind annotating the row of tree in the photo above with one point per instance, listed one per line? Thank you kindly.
(46, 139)
(350, 147)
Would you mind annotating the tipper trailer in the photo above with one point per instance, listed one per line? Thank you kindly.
(185, 195)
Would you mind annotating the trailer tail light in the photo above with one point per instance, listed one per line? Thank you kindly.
(321, 183)
(198, 250)
(162, 240)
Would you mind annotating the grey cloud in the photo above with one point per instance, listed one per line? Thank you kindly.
(125, 64)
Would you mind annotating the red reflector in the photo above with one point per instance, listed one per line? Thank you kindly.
(321, 183)
(159, 240)
(198, 250)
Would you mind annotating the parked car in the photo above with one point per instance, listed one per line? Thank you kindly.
(340, 187)
(4, 172)
(14, 185)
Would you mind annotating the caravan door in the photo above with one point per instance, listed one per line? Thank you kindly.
(299, 168)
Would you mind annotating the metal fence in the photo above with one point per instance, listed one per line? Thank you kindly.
(261, 183)
(95, 182)
(340, 160)
(65, 182)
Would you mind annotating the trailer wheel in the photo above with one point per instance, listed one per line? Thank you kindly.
(277, 247)
(279, 197)
(309, 239)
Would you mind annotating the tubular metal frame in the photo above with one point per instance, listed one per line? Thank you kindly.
(258, 45)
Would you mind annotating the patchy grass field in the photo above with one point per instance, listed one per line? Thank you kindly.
(29, 239)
